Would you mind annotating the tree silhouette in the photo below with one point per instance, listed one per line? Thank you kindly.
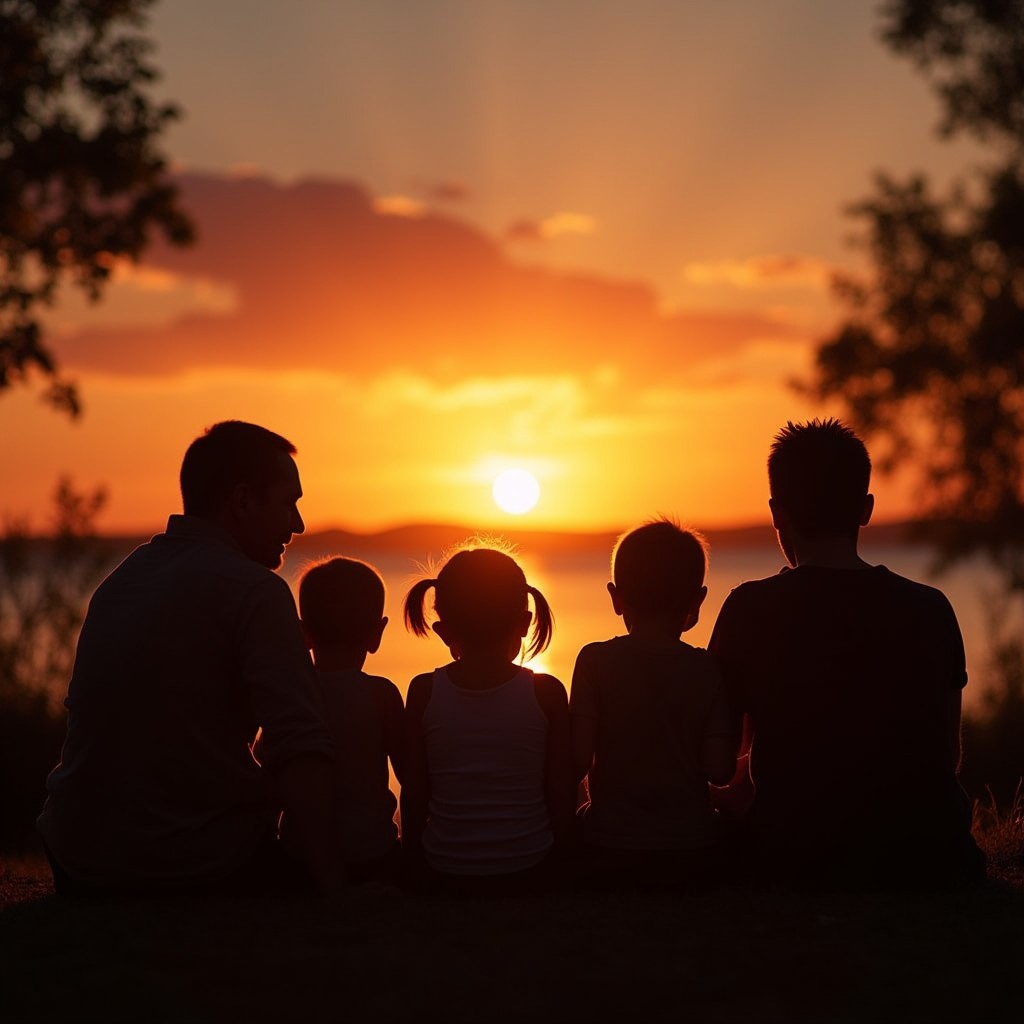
(930, 357)
(82, 180)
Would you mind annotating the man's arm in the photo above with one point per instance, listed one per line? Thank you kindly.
(953, 710)
(583, 716)
(718, 759)
(306, 788)
(296, 748)
(727, 645)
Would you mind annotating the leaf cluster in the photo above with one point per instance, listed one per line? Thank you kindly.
(973, 52)
(83, 182)
(930, 357)
(45, 582)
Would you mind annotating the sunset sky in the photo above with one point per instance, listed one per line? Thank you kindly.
(439, 239)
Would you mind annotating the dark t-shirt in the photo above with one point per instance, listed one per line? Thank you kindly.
(364, 715)
(848, 678)
(654, 707)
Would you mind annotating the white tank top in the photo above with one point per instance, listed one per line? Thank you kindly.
(486, 751)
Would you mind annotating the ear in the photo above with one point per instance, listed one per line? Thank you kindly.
(524, 623)
(616, 600)
(442, 631)
(373, 644)
(779, 519)
(306, 634)
(239, 501)
(869, 507)
(693, 615)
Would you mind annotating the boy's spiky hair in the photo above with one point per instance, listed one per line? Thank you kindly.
(819, 473)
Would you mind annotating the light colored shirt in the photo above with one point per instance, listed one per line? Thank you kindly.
(486, 752)
(187, 648)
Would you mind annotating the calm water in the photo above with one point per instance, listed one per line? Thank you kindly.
(575, 587)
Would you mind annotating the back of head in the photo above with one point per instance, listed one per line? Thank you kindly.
(819, 473)
(480, 593)
(341, 602)
(659, 567)
(227, 454)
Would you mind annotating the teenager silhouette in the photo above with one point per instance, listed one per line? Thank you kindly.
(850, 677)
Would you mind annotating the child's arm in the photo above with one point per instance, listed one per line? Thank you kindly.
(415, 798)
(559, 778)
(394, 728)
(583, 714)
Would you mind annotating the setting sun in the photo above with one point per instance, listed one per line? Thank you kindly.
(516, 491)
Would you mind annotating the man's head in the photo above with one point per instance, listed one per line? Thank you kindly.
(658, 572)
(242, 476)
(819, 473)
(341, 604)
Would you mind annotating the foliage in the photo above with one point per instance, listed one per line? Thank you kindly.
(44, 585)
(972, 49)
(930, 357)
(82, 181)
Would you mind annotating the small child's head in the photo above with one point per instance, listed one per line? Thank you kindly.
(341, 604)
(481, 600)
(819, 473)
(658, 575)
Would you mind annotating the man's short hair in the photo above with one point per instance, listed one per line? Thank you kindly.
(341, 600)
(659, 567)
(227, 454)
(819, 473)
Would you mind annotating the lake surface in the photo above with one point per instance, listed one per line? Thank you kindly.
(574, 584)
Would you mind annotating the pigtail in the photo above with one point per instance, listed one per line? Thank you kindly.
(415, 618)
(543, 623)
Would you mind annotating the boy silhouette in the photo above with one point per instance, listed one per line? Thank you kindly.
(850, 678)
(650, 719)
(341, 604)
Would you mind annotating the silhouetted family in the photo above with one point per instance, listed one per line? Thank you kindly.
(817, 740)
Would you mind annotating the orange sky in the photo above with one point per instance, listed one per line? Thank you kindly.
(438, 240)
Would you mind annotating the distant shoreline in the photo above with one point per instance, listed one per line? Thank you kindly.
(438, 537)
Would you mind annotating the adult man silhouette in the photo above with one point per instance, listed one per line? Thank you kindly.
(850, 678)
(189, 646)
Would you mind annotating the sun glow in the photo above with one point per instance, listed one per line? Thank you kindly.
(515, 491)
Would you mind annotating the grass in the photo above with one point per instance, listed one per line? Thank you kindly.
(377, 955)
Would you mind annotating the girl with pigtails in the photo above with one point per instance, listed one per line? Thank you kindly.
(489, 793)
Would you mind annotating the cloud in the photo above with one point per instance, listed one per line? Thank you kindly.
(322, 280)
(557, 224)
(769, 271)
(398, 206)
(446, 191)
(140, 297)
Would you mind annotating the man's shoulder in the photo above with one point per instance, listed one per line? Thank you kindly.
(597, 649)
(906, 591)
(768, 589)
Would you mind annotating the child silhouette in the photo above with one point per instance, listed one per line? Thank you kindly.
(650, 722)
(341, 604)
(489, 792)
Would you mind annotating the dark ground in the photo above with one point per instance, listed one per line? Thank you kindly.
(377, 955)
